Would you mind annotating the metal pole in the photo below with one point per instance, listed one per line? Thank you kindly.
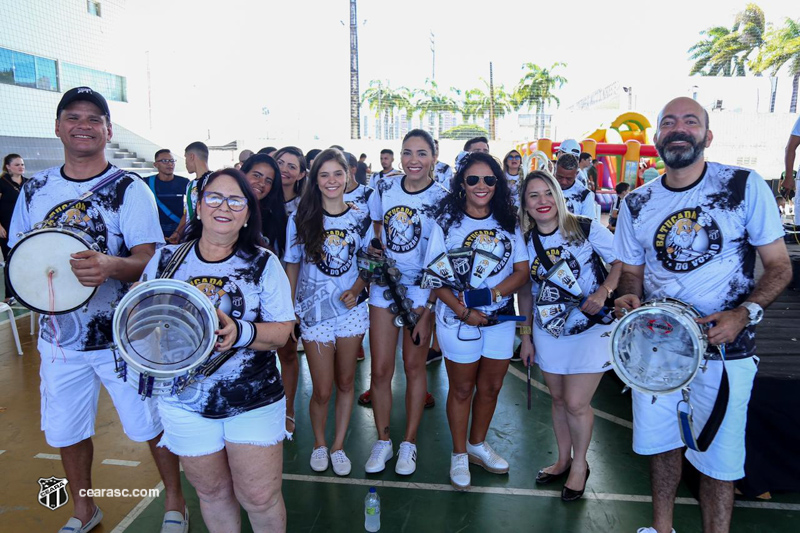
(433, 56)
(491, 102)
(355, 108)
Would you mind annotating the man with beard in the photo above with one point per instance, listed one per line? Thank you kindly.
(692, 235)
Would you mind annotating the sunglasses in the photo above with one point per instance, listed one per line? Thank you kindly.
(514, 157)
(472, 181)
(214, 200)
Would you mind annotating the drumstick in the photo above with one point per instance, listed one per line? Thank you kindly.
(529, 386)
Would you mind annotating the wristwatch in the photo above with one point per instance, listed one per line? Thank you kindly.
(429, 304)
(755, 312)
(498, 296)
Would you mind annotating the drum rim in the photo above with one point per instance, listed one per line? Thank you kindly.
(7, 270)
(193, 294)
(650, 305)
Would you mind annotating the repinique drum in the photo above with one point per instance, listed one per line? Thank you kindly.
(164, 330)
(658, 348)
(39, 273)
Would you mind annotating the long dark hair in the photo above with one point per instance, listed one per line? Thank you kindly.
(501, 205)
(7, 161)
(309, 217)
(273, 212)
(298, 153)
(250, 236)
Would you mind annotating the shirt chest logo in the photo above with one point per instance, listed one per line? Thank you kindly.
(686, 240)
(539, 272)
(337, 252)
(493, 242)
(223, 293)
(403, 228)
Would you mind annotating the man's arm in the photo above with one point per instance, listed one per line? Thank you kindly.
(93, 268)
(791, 150)
(631, 283)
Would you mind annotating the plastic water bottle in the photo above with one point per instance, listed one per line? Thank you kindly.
(372, 511)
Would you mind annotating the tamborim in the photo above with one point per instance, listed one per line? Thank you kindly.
(658, 348)
(39, 273)
(163, 331)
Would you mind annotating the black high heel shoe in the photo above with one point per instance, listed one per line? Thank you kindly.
(569, 495)
(543, 478)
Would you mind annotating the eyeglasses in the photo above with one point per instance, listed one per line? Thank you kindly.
(514, 157)
(472, 181)
(214, 200)
(166, 161)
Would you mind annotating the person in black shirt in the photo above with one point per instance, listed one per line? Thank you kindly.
(362, 169)
(11, 182)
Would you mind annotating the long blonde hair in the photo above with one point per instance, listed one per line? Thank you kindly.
(568, 224)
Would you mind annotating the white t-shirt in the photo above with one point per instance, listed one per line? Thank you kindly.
(580, 200)
(580, 259)
(248, 288)
(319, 285)
(443, 173)
(513, 186)
(364, 199)
(582, 178)
(697, 243)
(408, 219)
(192, 194)
(481, 234)
(118, 217)
(291, 206)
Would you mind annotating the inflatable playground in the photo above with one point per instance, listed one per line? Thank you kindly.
(632, 158)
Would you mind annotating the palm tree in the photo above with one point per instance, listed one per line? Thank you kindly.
(477, 102)
(782, 47)
(432, 102)
(375, 97)
(726, 52)
(535, 90)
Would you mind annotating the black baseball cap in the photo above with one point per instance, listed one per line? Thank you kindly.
(83, 93)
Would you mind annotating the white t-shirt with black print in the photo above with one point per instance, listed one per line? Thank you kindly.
(480, 234)
(118, 217)
(697, 243)
(580, 200)
(362, 198)
(321, 284)
(582, 178)
(291, 206)
(253, 288)
(408, 219)
(513, 185)
(579, 258)
(443, 173)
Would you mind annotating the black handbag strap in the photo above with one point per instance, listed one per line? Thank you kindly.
(540, 253)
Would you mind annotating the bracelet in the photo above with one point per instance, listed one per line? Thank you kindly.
(465, 315)
(610, 292)
(247, 333)
(525, 330)
(429, 304)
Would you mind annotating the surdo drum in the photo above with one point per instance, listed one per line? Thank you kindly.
(164, 330)
(658, 348)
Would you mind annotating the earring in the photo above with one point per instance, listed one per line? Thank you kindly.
(245, 224)
(462, 194)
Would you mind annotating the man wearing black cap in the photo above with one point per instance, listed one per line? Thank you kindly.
(122, 221)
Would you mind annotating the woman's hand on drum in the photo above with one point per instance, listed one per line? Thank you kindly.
(726, 325)
(626, 303)
(349, 298)
(594, 303)
(227, 332)
(526, 350)
(92, 268)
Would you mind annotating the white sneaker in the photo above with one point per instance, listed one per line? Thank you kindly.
(175, 522)
(459, 472)
(319, 459)
(406, 459)
(381, 452)
(483, 455)
(74, 525)
(341, 464)
(648, 530)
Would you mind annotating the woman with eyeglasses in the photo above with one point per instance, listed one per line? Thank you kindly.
(292, 164)
(11, 182)
(512, 166)
(323, 237)
(228, 429)
(405, 208)
(477, 215)
(264, 177)
(573, 350)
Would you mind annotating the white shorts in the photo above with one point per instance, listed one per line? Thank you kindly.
(70, 388)
(188, 434)
(655, 425)
(354, 323)
(493, 342)
(418, 296)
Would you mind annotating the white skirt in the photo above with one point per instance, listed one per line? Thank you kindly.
(584, 353)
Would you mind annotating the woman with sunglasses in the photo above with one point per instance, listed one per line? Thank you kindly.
(324, 235)
(406, 206)
(512, 166)
(478, 214)
(574, 361)
(292, 164)
(264, 177)
(228, 429)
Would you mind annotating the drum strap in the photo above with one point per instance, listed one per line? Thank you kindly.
(685, 414)
(99, 185)
(177, 258)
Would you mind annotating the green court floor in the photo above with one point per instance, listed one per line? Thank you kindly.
(617, 497)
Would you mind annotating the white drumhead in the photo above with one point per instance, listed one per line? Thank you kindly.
(657, 348)
(165, 327)
(34, 258)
